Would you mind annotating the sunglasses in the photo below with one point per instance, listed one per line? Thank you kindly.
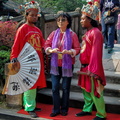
(62, 20)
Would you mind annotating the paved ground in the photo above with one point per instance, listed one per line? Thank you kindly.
(111, 62)
(115, 54)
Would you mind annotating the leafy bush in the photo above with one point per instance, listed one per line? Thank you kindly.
(4, 58)
(7, 32)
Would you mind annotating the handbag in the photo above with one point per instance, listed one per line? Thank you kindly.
(109, 16)
(109, 20)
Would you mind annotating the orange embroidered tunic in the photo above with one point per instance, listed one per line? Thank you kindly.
(32, 35)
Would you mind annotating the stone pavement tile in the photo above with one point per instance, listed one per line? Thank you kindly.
(118, 67)
(77, 62)
(114, 55)
(104, 61)
(110, 64)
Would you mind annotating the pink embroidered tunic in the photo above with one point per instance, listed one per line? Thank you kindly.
(91, 54)
(118, 22)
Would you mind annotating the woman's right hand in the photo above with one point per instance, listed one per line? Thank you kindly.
(55, 50)
(15, 66)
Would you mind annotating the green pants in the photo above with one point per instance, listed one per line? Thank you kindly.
(29, 100)
(91, 99)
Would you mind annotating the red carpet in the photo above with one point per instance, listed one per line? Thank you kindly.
(46, 110)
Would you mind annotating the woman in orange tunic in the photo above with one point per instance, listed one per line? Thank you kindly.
(28, 32)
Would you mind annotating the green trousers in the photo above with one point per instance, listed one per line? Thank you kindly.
(91, 99)
(29, 100)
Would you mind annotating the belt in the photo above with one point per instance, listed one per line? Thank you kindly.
(84, 65)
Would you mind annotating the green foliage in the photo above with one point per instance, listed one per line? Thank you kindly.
(65, 5)
(3, 47)
(7, 33)
(54, 6)
(4, 58)
(4, 1)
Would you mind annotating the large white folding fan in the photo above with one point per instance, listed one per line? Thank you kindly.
(22, 80)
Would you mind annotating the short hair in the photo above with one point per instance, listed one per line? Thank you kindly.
(65, 14)
(26, 14)
(94, 23)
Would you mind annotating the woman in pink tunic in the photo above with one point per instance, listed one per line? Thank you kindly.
(93, 82)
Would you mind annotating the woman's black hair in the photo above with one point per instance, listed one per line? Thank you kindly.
(94, 23)
(65, 15)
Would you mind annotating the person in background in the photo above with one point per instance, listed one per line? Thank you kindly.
(97, 4)
(91, 79)
(118, 29)
(63, 45)
(108, 7)
(28, 32)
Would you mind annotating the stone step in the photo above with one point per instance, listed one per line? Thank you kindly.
(77, 101)
(111, 89)
(111, 76)
(12, 114)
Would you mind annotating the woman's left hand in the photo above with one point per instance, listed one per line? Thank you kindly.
(67, 52)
